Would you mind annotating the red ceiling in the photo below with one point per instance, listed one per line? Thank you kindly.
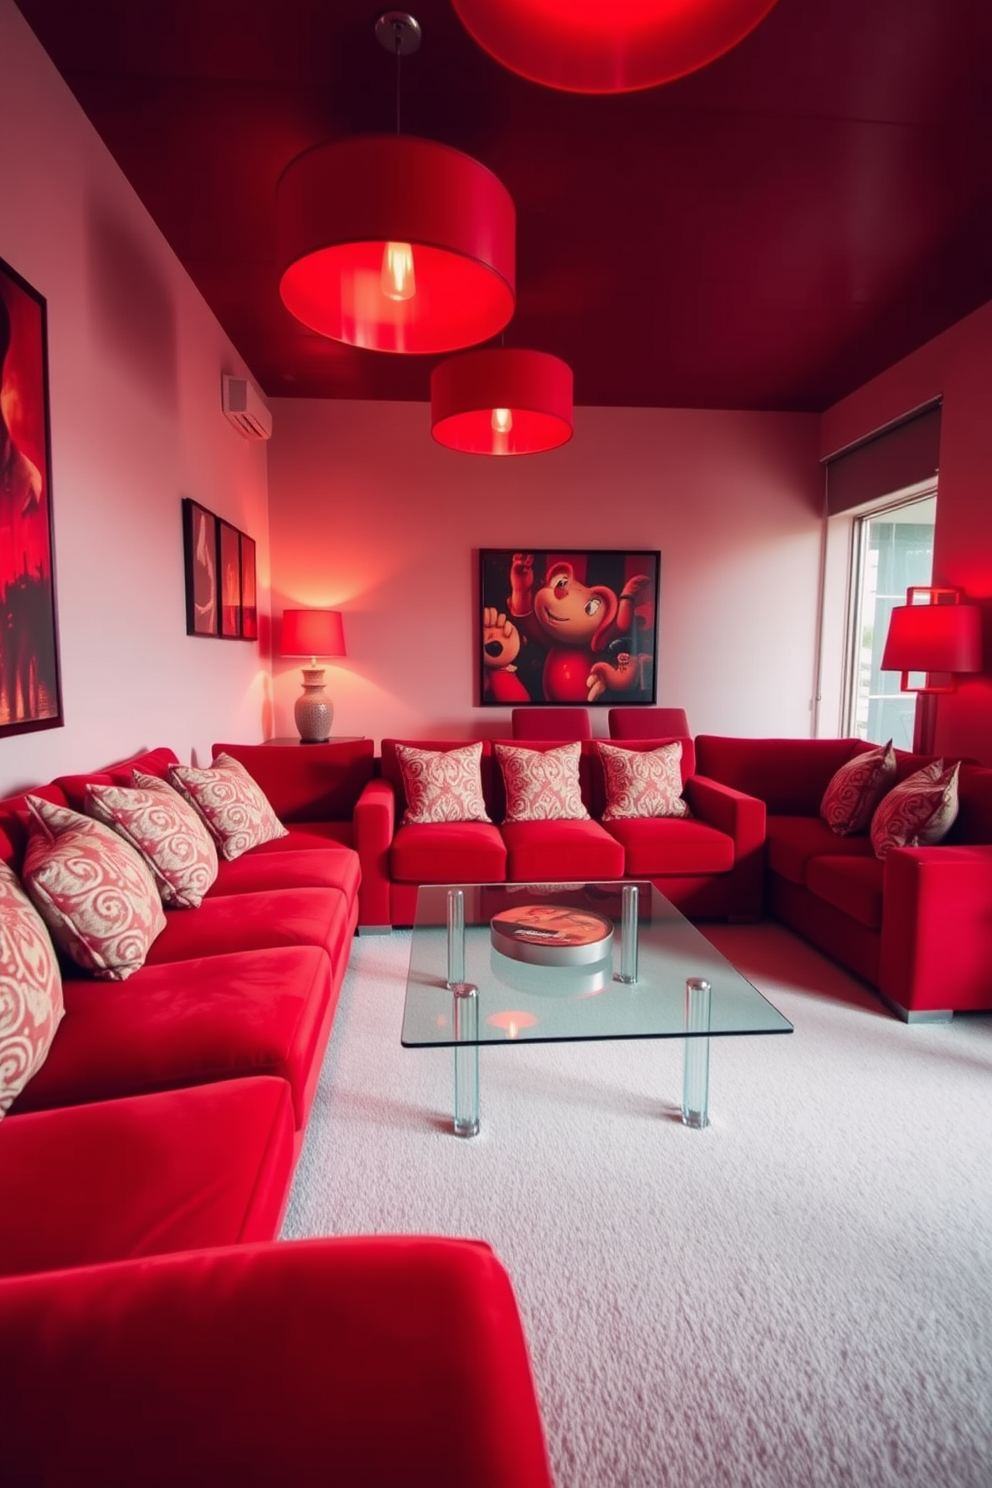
(766, 234)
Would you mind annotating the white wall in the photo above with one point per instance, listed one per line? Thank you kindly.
(369, 515)
(135, 363)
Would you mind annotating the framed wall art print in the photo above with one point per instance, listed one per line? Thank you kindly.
(568, 625)
(30, 686)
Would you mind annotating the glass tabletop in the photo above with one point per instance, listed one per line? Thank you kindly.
(549, 969)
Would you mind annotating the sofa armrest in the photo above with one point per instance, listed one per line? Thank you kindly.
(742, 817)
(373, 1360)
(936, 951)
(374, 828)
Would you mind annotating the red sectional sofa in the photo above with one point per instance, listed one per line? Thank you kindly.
(918, 925)
(144, 1174)
(709, 865)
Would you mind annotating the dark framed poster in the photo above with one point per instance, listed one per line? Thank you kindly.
(568, 625)
(249, 592)
(229, 560)
(30, 685)
(200, 552)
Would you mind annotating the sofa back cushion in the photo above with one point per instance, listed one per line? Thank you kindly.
(150, 762)
(15, 819)
(308, 782)
(391, 771)
(789, 775)
(974, 819)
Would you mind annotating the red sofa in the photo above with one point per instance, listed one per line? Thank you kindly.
(162, 1129)
(709, 865)
(918, 925)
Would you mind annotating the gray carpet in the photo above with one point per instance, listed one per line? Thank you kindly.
(799, 1296)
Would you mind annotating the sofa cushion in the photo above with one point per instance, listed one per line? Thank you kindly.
(917, 812)
(451, 852)
(671, 845)
(791, 842)
(246, 922)
(235, 809)
(442, 785)
(642, 783)
(260, 1012)
(173, 1171)
(853, 885)
(542, 784)
(560, 851)
(855, 790)
(307, 782)
(31, 1006)
(155, 762)
(165, 831)
(298, 866)
(94, 892)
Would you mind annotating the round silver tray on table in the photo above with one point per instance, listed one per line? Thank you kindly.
(552, 935)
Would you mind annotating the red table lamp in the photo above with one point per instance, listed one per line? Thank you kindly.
(313, 633)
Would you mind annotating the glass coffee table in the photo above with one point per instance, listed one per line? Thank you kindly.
(546, 963)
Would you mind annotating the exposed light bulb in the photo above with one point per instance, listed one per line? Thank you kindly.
(398, 279)
(502, 421)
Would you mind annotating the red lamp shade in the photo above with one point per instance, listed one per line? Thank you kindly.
(502, 402)
(395, 243)
(312, 633)
(584, 46)
(934, 637)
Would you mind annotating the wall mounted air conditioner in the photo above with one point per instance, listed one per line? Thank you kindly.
(245, 409)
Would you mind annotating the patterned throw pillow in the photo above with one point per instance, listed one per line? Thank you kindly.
(542, 784)
(917, 812)
(30, 989)
(162, 826)
(92, 890)
(643, 782)
(442, 785)
(855, 790)
(235, 808)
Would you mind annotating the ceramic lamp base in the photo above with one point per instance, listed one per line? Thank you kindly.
(314, 711)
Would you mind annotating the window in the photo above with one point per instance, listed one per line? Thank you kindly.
(892, 548)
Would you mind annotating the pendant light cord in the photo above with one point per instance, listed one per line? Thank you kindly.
(399, 55)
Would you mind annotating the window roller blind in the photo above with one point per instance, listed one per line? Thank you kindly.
(902, 455)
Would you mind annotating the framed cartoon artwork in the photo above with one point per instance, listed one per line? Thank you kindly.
(30, 686)
(229, 567)
(568, 625)
(200, 550)
(249, 597)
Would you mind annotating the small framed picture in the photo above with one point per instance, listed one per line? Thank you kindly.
(200, 550)
(229, 555)
(249, 600)
(30, 689)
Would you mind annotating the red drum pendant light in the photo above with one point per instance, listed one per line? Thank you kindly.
(395, 243)
(584, 46)
(502, 402)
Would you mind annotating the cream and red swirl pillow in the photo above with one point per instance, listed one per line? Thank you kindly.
(642, 783)
(91, 888)
(855, 790)
(234, 807)
(917, 812)
(441, 785)
(163, 827)
(542, 784)
(30, 989)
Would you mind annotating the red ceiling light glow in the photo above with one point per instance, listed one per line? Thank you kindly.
(584, 46)
(502, 402)
(396, 243)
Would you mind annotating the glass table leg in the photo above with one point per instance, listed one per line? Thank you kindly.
(466, 1023)
(628, 935)
(696, 1058)
(456, 937)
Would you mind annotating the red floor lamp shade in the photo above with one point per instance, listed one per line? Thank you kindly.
(939, 636)
(584, 46)
(313, 633)
(395, 243)
(503, 401)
